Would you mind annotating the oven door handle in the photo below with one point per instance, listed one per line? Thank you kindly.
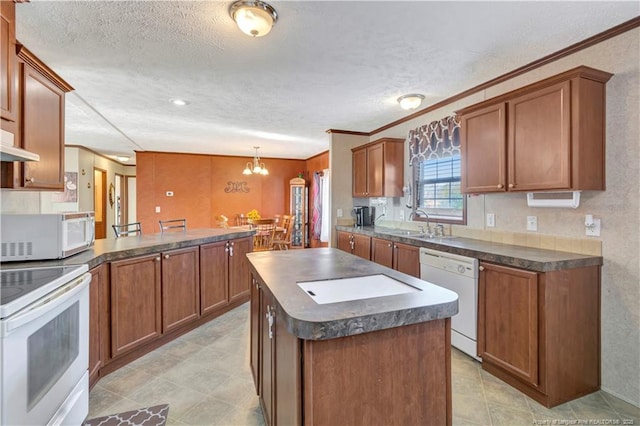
(49, 302)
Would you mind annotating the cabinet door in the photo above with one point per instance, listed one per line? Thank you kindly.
(239, 277)
(362, 246)
(42, 130)
(382, 252)
(483, 155)
(8, 104)
(98, 322)
(214, 273)
(344, 241)
(406, 259)
(287, 377)
(136, 316)
(359, 173)
(540, 139)
(375, 171)
(267, 359)
(180, 287)
(508, 320)
(254, 326)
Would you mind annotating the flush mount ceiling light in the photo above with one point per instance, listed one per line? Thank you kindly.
(257, 167)
(179, 102)
(253, 17)
(411, 101)
(123, 158)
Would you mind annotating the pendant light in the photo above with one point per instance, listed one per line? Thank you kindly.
(257, 167)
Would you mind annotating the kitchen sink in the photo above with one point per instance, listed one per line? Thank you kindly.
(402, 232)
(426, 237)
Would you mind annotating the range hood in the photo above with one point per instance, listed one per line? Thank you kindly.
(8, 152)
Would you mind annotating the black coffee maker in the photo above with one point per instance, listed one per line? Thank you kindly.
(363, 215)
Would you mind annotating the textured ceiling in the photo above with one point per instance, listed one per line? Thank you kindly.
(324, 65)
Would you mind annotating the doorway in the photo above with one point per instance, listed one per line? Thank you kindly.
(100, 202)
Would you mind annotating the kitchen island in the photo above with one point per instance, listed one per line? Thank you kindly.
(366, 360)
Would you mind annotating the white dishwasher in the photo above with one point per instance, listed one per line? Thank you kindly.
(459, 274)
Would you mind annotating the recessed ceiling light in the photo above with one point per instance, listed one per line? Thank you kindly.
(179, 102)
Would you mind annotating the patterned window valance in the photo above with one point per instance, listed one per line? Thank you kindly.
(438, 139)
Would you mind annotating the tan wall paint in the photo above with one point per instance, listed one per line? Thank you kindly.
(618, 207)
(198, 183)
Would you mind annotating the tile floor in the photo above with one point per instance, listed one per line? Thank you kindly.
(204, 376)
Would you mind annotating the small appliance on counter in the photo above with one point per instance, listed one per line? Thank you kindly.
(364, 215)
(45, 236)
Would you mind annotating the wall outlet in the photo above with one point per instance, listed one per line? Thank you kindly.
(491, 220)
(339, 213)
(401, 214)
(157, 209)
(532, 223)
(593, 230)
(169, 193)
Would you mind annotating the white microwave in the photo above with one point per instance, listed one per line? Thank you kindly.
(45, 236)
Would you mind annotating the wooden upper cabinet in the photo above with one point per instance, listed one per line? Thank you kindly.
(40, 126)
(540, 139)
(378, 168)
(8, 104)
(547, 136)
(483, 140)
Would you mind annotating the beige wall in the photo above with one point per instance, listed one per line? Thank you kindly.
(617, 207)
(76, 160)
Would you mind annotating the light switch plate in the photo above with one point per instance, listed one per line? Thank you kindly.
(532, 223)
(339, 213)
(491, 220)
(157, 209)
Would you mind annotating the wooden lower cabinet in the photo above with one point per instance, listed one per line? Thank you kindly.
(359, 245)
(180, 287)
(239, 277)
(254, 334)
(136, 305)
(401, 257)
(540, 331)
(98, 322)
(350, 380)
(224, 274)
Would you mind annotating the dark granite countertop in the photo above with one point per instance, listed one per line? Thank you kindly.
(110, 249)
(280, 271)
(533, 259)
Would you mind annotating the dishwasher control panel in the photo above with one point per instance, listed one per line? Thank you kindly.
(449, 262)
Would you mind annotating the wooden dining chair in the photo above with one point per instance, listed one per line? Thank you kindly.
(282, 239)
(133, 228)
(265, 230)
(173, 225)
(241, 220)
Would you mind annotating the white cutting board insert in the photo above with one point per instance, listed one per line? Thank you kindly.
(346, 289)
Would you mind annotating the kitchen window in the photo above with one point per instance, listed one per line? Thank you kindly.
(437, 183)
(434, 155)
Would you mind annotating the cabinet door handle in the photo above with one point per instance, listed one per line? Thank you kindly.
(158, 259)
(30, 180)
(231, 250)
(511, 185)
(481, 268)
(499, 186)
(166, 256)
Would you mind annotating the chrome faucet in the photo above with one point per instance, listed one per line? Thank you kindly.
(421, 212)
